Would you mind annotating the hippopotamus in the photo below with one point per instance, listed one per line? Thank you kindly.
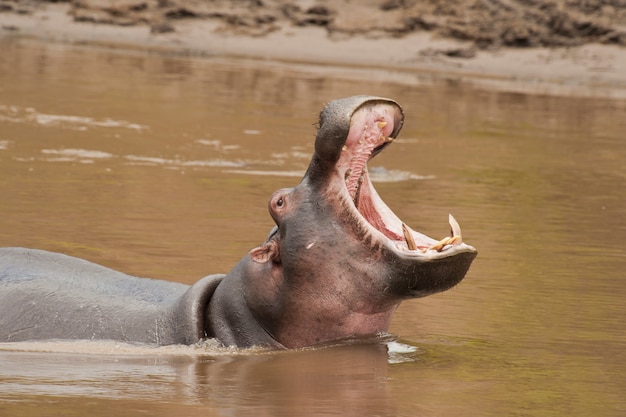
(336, 265)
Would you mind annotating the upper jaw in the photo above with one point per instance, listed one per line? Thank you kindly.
(336, 120)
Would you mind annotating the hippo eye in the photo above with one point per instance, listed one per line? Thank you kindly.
(280, 202)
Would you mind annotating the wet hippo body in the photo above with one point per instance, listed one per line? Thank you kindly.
(45, 295)
(336, 266)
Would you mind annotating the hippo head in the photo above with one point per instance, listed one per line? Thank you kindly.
(340, 261)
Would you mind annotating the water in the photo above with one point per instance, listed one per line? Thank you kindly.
(161, 166)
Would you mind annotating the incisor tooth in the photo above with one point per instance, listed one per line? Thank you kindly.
(410, 242)
(439, 245)
(448, 240)
(436, 247)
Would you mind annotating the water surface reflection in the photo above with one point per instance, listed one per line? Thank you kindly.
(162, 167)
(351, 380)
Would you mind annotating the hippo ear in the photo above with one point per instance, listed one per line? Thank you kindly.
(266, 252)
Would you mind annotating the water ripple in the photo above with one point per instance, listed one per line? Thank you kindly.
(17, 114)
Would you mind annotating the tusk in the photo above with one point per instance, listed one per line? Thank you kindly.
(455, 229)
(382, 124)
(448, 240)
(410, 242)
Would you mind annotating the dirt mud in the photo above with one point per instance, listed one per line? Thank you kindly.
(486, 23)
(570, 41)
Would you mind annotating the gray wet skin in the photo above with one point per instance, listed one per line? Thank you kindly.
(336, 266)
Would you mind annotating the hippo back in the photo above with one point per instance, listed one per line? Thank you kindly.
(46, 295)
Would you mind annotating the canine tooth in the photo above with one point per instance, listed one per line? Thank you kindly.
(344, 148)
(410, 242)
(455, 229)
(382, 124)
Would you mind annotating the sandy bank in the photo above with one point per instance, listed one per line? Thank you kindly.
(586, 69)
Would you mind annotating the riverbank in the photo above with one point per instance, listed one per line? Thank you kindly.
(586, 67)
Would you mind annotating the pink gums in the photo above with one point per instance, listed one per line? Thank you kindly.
(362, 141)
(369, 129)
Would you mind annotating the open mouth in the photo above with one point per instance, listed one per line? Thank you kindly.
(370, 132)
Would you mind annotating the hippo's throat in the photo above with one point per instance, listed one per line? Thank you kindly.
(370, 130)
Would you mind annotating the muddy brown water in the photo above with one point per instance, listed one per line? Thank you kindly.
(161, 166)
